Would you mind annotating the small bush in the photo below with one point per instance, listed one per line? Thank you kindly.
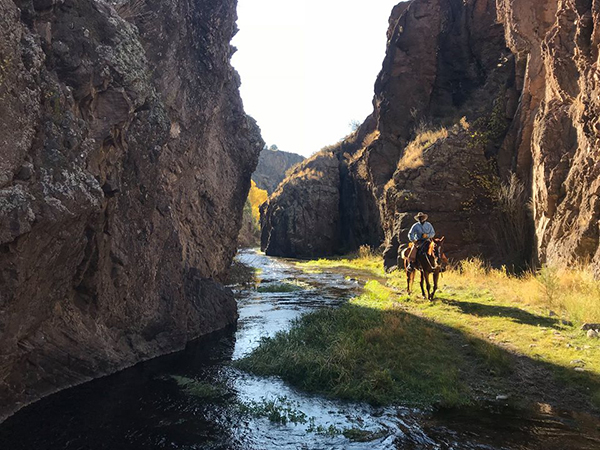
(548, 279)
(364, 251)
(241, 274)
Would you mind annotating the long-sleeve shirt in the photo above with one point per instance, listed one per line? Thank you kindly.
(419, 229)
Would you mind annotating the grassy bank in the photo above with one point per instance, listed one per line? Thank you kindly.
(488, 336)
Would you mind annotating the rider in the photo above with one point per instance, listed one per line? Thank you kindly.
(420, 232)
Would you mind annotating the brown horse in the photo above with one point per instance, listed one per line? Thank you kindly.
(430, 260)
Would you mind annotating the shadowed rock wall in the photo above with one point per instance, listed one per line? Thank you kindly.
(125, 162)
(272, 167)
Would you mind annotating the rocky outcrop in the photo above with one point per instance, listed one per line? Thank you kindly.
(120, 125)
(272, 168)
(312, 211)
(512, 86)
(302, 218)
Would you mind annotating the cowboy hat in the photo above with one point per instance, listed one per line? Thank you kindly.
(421, 214)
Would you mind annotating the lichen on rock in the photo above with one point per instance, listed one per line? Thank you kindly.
(114, 231)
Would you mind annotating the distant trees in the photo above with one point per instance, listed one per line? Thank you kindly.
(273, 148)
(354, 125)
(250, 231)
(256, 197)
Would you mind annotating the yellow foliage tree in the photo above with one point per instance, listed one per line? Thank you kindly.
(257, 197)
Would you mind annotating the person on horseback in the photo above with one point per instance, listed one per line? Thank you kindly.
(421, 232)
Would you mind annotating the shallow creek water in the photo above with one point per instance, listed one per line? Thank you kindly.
(149, 407)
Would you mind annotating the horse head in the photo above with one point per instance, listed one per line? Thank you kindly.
(439, 254)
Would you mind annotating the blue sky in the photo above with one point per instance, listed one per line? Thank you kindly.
(308, 67)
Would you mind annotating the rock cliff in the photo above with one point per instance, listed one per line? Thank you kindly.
(470, 93)
(554, 143)
(120, 125)
(272, 168)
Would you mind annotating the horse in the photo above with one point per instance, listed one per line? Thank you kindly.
(430, 260)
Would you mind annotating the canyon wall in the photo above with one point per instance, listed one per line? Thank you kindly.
(272, 168)
(485, 116)
(554, 144)
(125, 163)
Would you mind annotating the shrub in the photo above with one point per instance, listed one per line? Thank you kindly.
(511, 229)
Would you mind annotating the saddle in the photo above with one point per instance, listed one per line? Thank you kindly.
(426, 246)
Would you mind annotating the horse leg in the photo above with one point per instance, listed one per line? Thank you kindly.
(436, 277)
(428, 286)
(410, 278)
(422, 281)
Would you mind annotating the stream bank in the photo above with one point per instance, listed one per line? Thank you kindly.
(195, 399)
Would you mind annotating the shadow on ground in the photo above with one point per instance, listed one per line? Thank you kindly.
(516, 314)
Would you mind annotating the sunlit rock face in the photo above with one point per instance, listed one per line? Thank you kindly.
(445, 60)
(126, 160)
(303, 217)
(524, 75)
(555, 139)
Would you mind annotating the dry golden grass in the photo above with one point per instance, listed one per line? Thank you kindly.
(413, 154)
(571, 293)
(370, 138)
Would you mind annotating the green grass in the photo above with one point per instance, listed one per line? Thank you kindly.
(365, 351)
(386, 348)
(282, 411)
(200, 389)
(282, 287)
(278, 410)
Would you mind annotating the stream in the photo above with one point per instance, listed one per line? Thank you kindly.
(195, 399)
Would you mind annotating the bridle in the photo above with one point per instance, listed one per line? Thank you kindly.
(439, 258)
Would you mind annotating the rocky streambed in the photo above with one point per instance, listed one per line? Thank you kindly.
(197, 399)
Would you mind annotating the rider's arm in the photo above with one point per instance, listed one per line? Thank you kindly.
(414, 234)
(430, 231)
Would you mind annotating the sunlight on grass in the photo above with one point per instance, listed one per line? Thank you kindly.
(365, 354)
(538, 315)
(572, 294)
(413, 154)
